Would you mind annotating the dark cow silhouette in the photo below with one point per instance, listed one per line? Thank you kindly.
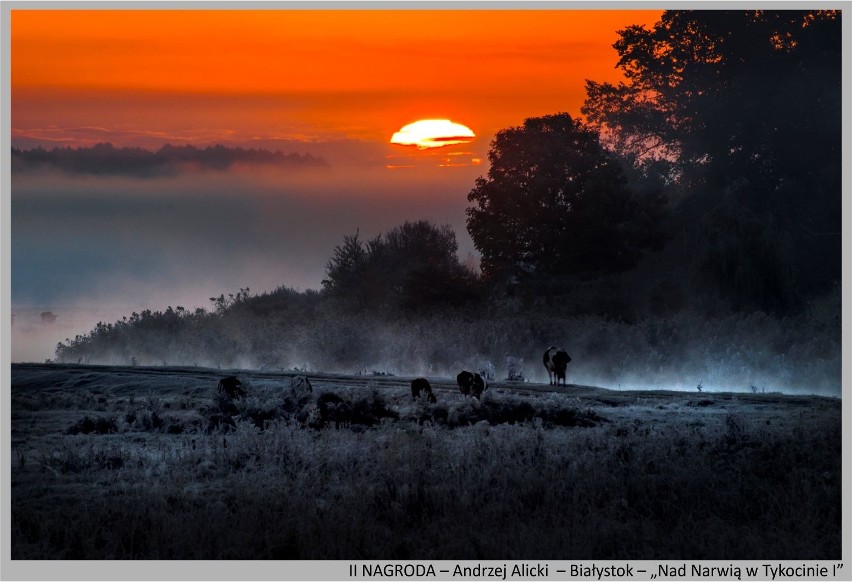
(333, 408)
(465, 379)
(556, 361)
(300, 387)
(471, 384)
(421, 386)
(231, 387)
(478, 386)
(299, 394)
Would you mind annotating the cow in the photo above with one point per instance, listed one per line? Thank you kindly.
(298, 395)
(421, 386)
(333, 408)
(465, 380)
(556, 361)
(471, 384)
(231, 387)
(300, 387)
(478, 386)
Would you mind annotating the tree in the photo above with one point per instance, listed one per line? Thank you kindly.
(743, 110)
(711, 87)
(346, 265)
(556, 202)
(413, 265)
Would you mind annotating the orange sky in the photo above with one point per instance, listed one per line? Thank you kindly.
(151, 77)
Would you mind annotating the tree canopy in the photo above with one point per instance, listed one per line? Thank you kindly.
(713, 86)
(413, 265)
(556, 202)
(742, 109)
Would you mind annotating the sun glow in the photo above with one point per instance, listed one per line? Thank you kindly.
(433, 133)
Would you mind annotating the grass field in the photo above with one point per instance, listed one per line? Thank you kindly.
(148, 463)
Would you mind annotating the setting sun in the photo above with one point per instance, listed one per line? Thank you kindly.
(433, 133)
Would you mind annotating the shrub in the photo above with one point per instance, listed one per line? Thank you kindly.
(507, 409)
(362, 409)
(88, 425)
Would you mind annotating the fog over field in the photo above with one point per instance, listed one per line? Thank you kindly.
(92, 248)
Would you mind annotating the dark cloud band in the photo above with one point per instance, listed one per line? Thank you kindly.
(105, 159)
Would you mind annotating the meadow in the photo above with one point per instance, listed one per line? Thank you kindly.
(114, 462)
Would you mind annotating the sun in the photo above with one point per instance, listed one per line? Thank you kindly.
(433, 133)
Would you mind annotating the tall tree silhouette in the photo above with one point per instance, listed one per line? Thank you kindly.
(556, 202)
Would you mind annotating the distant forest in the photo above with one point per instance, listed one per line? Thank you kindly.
(704, 187)
(106, 159)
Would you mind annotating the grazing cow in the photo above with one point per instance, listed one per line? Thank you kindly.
(298, 395)
(465, 380)
(333, 408)
(231, 387)
(421, 386)
(471, 384)
(556, 361)
(300, 387)
(478, 386)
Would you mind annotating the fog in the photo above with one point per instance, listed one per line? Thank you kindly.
(89, 248)
(94, 248)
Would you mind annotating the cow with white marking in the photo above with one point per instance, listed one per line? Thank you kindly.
(556, 361)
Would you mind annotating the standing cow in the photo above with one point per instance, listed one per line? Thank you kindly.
(421, 386)
(556, 361)
(464, 379)
(471, 384)
(231, 387)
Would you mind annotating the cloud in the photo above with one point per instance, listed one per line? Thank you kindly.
(169, 160)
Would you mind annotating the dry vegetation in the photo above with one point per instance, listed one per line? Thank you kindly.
(145, 463)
